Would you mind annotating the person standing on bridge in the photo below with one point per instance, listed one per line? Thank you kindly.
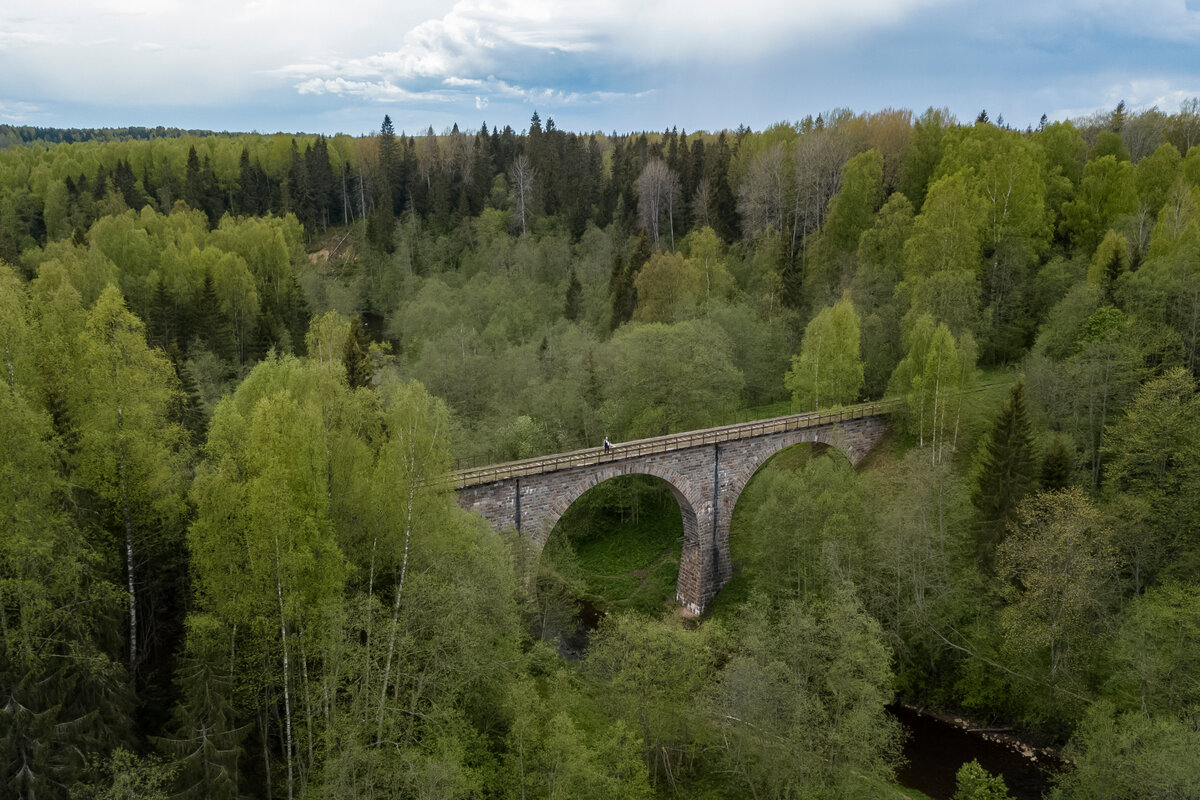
(607, 444)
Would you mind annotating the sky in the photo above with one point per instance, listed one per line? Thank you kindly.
(624, 65)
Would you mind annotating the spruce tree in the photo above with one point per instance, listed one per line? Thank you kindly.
(207, 741)
(574, 301)
(188, 410)
(1006, 474)
(193, 182)
(212, 326)
(356, 355)
(161, 323)
(617, 290)
(1057, 465)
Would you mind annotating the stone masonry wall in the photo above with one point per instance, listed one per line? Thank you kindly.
(706, 480)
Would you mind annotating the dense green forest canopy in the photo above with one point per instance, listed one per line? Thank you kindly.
(12, 135)
(236, 366)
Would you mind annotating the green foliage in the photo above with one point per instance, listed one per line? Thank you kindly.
(650, 673)
(1130, 755)
(572, 306)
(1110, 263)
(356, 355)
(1057, 465)
(1057, 568)
(128, 776)
(800, 702)
(804, 530)
(850, 213)
(666, 287)
(923, 153)
(666, 378)
(941, 257)
(828, 372)
(1106, 192)
(973, 782)
(67, 694)
(1006, 473)
(1152, 456)
(931, 377)
(1156, 671)
(376, 651)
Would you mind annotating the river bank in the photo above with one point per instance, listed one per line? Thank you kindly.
(938, 744)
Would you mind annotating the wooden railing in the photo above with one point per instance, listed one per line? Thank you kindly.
(675, 441)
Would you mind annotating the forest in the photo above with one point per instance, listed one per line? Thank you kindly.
(238, 370)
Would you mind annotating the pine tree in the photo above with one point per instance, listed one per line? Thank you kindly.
(574, 301)
(1006, 474)
(245, 202)
(101, 187)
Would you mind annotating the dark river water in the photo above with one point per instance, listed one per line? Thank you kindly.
(935, 750)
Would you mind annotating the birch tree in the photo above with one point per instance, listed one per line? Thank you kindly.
(828, 372)
(931, 378)
(130, 454)
(658, 195)
(522, 175)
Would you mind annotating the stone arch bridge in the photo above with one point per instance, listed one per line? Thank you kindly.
(706, 470)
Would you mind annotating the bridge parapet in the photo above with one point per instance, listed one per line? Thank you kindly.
(596, 456)
(706, 470)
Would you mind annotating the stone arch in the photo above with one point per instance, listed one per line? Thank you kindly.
(559, 505)
(759, 452)
(691, 509)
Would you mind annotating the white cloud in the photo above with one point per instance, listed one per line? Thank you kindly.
(1139, 94)
(725, 56)
(385, 90)
(18, 112)
(19, 38)
(520, 38)
(382, 91)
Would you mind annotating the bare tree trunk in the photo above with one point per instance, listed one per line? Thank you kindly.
(308, 715)
(128, 521)
(523, 175)
(287, 698)
(387, 665)
(370, 616)
(264, 723)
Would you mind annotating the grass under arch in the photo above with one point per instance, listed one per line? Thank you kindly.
(625, 537)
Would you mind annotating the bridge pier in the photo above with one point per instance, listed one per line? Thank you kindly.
(706, 477)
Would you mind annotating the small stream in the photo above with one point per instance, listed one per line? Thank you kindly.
(934, 751)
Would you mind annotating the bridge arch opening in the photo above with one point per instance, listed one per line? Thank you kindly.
(798, 522)
(616, 547)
